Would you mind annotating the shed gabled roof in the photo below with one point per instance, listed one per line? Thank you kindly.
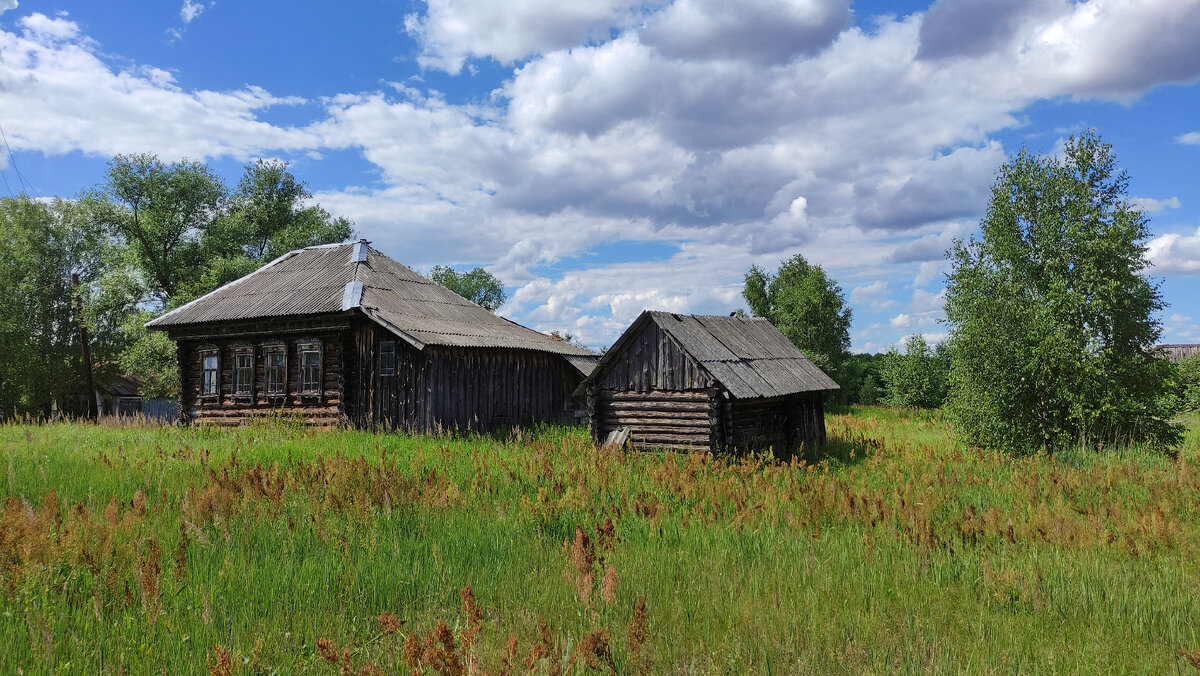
(353, 277)
(747, 356)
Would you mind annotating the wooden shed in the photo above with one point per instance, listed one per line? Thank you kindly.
(717, 383)
(343, 335)
(1175, 353)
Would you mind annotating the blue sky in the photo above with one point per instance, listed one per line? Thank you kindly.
(612, 156)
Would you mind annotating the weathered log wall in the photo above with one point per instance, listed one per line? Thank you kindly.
(227, 408)
(453, 388)
(780, 423)
(656, 419)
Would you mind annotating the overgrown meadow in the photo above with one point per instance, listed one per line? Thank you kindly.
(271, 549)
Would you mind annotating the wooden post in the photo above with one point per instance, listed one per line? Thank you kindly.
(93, 411)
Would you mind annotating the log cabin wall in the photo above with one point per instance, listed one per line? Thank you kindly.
(659, 392)
(657, 419)
(780, 423)
(227, 408)
(452, 387)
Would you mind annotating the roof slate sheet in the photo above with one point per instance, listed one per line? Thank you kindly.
(748, 356)
(314, 281)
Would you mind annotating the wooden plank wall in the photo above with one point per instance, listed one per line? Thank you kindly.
(453, 388)
(652, 361)
(226, 409)
(781, 423)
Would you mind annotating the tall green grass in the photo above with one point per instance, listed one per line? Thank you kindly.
(892, 550)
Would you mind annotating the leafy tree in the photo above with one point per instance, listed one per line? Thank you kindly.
(806, 306)
(568, 338)
(1187, 378)
(150, 356)
(45, 244)
(267, 216)
(917, 378)
(478, 286)
(1050, 314)
(163, 211)
(868, 391)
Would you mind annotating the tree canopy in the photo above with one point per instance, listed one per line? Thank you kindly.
(45, 245)
(154, 236)
(916, 378)
(190, 234)
(478, 286)
(1051, 316)
(806, 306)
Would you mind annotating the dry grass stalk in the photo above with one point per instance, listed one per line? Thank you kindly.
(636, 635)
(151, 578)
(389, 624)
(608, 587)
(220, 662)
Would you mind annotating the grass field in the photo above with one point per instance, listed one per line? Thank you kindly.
(279, 550)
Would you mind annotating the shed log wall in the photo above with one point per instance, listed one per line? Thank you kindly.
(781, 423)
(447, 387)
(657, 419)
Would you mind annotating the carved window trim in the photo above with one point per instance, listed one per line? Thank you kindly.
(311, 376)
(210, 376)
(243, 372)
(275, 376)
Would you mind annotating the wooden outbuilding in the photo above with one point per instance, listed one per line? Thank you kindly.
(1175, 353)
(343, 335)
(716, 383)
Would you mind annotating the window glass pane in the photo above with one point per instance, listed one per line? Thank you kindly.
(387, 358)
(210, 378)
(310, 368)
(276, 359)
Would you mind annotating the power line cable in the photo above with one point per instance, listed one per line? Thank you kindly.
(12, 161)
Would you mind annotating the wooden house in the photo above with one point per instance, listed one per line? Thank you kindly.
(343, 335)
(717, 383)
(1175, 353)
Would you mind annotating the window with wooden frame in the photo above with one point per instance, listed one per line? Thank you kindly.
(387, 358)
(243, 372)
(310, 367)
(210, 373)
(276, 369)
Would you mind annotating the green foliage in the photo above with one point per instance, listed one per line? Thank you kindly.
(267, 216)
(45, 243)
(478, 286)
(868, 391)
(568, 338)
(150, 356)
(917, 378)
(1051, 314)
(1187, 379)
(190, 235)
(806, 306)
(163, 211)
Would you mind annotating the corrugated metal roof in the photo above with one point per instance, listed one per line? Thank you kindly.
(585, 364)
(316, 281)
(747, 356)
